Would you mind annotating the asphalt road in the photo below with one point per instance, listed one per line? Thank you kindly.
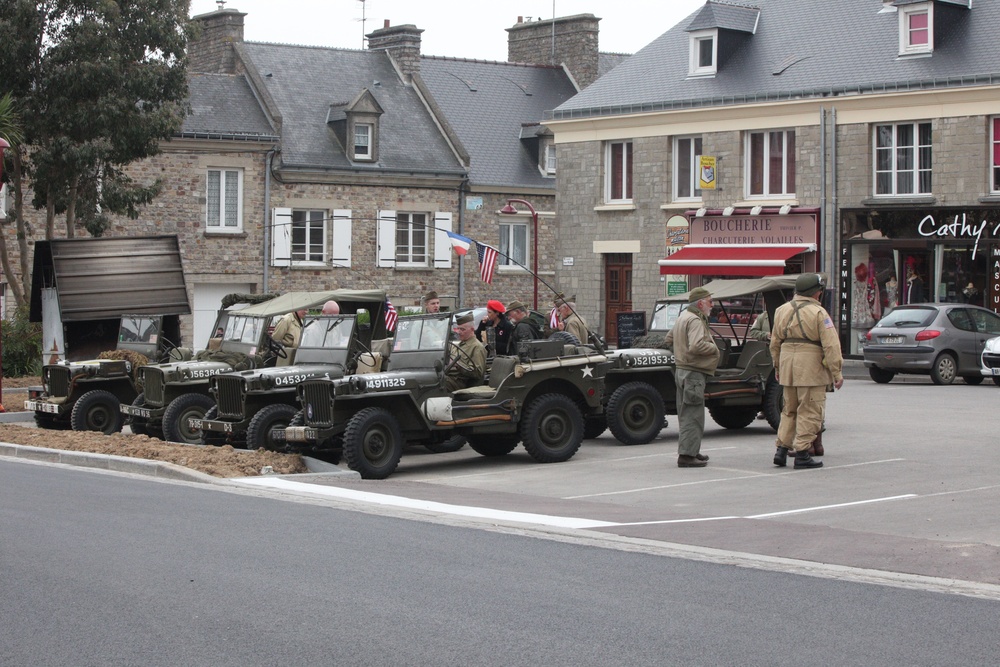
(107, 569)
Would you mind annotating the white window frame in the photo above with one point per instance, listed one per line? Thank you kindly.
(691, 156)
(788, 160)
(627, 168)
(921, 163)
(409, 257)
(697, 39)
(369, 155)
(994, 175)
(906, 47)
(508, 231)
(221, 223)
(550, 159)
(313, 218)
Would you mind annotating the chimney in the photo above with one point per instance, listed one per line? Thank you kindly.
(212, 50)
(571, 40)
(402, 42)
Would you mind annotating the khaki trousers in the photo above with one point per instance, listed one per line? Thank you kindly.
(801, 417)
(690, 411)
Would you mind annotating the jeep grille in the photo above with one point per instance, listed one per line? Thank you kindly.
(317, 403)
(230, 393)
(58, 381)
(153, 386)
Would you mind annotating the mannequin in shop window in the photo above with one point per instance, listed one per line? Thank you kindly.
(914, 286)
(891, 293)
(861, 314)
(970, 294)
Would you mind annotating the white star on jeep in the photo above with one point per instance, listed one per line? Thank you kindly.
(588, 372)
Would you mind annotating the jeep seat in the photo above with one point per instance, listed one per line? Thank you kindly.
(753, 352)
(503, 367)
(369, 362)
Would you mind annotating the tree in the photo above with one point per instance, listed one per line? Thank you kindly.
(99, 83)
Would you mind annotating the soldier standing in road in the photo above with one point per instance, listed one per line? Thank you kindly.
(470, 367)
(807, 359)
(287, 333)
(697, 358)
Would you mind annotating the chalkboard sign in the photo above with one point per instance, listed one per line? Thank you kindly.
(631, 325)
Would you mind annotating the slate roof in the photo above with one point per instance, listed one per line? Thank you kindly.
(224, 106)
(608, 61)
(304, 81)
(834, 48)
(725, 16)
(486, 103)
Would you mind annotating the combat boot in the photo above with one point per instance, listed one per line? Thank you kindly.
(803, 460)
(781, 456)
(816, 449)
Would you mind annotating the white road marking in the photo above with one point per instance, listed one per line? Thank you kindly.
(827, 507)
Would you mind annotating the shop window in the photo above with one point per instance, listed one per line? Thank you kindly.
(687, 151)
(903, 159)
(771, 164)
(995, 153)
(618, 172)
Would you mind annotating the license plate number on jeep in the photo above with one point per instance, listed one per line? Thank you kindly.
(300, 434)
(892, 340)
(40, 406)
(134, 411)
(209, 425)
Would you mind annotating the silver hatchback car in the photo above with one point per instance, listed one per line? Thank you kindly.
(944, 340)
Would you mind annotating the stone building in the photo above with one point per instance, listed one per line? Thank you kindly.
(861, 139)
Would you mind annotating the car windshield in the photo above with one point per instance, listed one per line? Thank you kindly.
(138, 329)
(327, 332)
(244, 329)
(421, 334)
(908, 317)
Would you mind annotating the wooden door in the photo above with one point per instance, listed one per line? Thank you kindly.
(617, 291)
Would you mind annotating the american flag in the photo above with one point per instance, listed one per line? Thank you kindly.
(487, 262)
(390, 316)
(554, 318)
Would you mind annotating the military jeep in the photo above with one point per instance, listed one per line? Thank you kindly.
(251, 404)
(641, 388)
(539, 398)
(85, 395)
(173, 393)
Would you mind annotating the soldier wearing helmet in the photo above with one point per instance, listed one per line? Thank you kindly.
(807, 360)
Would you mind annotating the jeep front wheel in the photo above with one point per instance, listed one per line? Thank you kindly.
(774, 402)
(176, 427)
(267, 420)
(97, 410)
(552, 428)
(635, 413)
(452, 444)
(373, 443)
(137, 424)
(492, 445)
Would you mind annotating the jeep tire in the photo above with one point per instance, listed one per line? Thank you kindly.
(177, 414)
(552, 428)
(373, 443)
(635, 413)
(97, 410)
(212, 437)
(493, 444)
(138, 424)
(594, 426)
(452, 444)
(267, 419)
(774, 402)
(733, 416)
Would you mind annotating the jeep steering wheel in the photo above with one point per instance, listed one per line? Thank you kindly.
(168, 347)
(276, 348)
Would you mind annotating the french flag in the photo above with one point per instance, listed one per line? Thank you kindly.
(460, 243)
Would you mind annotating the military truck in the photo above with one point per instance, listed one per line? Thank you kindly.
(175, 392)
(540, 398)
(85, 395)
(250, 404)
(640, 386)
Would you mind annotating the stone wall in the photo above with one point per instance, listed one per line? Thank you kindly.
(576, 45)
(212, 50)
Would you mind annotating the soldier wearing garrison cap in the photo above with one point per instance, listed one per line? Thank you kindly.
(432, 303)
(525, 326)
(697, 358)
(807, 359)
(469, 368)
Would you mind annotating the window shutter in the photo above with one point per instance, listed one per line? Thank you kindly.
(386, 239)
(341, 234)
(281, 237)
(442, 244)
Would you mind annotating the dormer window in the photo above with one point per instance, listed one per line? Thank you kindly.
(363, 141)
(704, 53)
(916, 28)
(550, 159)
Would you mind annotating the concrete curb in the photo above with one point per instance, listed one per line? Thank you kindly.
(11, 417)
(160, 469)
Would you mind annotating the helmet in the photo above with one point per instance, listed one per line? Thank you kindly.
(808, 283)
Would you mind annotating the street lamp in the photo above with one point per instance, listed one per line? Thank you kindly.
(509, 209)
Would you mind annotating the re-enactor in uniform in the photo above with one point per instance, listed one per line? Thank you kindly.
(807, 358)
(470, 367)
(288, 332)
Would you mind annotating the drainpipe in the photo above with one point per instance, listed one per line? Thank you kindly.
(267, 221)
(833, 180)
(461, 230)
(822, 185)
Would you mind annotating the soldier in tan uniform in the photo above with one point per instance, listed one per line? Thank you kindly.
(287, 332)
(572, 322)
(470, 367)
(807, 358)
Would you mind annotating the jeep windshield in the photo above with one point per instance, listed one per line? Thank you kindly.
(327, 333)
(138, 329)
(421, 335)
(244, 329)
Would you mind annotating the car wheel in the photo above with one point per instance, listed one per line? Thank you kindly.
(175, 418)
(944, 369)
(635, 413)
(733, 417)
(974, 379)
(138, 424)
(552, 428)
(774, 402)
(452, 444)
(880, 375)
(268, 419)
(373, 443)
(97, 410)
(493, 445)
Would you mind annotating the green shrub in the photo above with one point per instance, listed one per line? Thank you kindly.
(22, 344)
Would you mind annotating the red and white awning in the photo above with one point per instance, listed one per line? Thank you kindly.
(732, 260)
